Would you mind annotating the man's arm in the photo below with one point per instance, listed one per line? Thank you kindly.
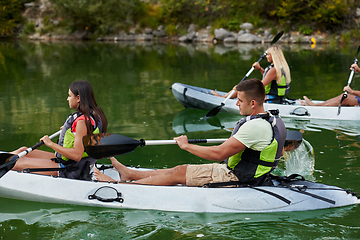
(218, 153)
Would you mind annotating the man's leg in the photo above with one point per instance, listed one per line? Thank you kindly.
(171, 176)
(165, 177)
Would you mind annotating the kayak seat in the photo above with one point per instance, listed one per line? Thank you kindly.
(281, 100)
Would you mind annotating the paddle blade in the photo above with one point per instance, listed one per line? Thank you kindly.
(213, 112)
(342, 99)
(104, 145)
(5, 157)
(277, 37)
(339, 106)
(293, 140)
(7, 162)
(6, 167)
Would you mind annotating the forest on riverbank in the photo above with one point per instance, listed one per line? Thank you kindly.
(105, 17)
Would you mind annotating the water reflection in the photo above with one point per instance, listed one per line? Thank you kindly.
(189, 120)
(66, 221)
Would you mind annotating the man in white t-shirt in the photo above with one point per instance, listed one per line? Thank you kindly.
(250, 153)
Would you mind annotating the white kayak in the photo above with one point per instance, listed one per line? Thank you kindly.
(197, 97)
(299, 195)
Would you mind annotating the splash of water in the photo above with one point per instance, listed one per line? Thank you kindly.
(300, 161)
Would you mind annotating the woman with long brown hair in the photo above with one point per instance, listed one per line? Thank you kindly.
(69, 154)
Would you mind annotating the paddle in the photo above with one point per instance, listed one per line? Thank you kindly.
(217, 109)
(349, 81)
(8, 160)
(105, 145)
(293, 140)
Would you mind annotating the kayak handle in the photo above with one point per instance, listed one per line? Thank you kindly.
(300, 111)
(102, 194)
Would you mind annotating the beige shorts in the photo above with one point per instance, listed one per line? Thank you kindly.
(198, 175)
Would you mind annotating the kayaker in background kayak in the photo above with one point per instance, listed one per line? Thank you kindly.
(87, 119)
(250, 154)
(276, 77)
(352, 99)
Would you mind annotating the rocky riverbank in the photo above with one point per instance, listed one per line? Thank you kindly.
(202, 35)
(246, 34)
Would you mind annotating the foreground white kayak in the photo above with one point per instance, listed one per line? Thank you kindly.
(298, 196)
(197, 97)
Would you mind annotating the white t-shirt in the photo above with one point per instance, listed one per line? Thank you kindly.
(255, 134)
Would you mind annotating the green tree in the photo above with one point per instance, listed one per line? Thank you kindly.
(228, 12)
(190, 11)
(10, 16)
(330, 15)
(97, 16)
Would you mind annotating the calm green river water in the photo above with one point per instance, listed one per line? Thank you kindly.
(132, 84)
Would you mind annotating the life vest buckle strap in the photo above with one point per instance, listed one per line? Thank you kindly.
(30, 170)
(301, 188)
(235, 184)
(277, 99)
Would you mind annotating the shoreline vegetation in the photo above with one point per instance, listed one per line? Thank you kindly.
(185, 21)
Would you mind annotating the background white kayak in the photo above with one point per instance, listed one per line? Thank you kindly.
(197, 97)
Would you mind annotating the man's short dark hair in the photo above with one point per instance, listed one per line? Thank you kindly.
(253, 88)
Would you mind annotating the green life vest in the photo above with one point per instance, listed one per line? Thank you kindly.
(249, 165)
(274, 88)
(67, 137)
(69, 142)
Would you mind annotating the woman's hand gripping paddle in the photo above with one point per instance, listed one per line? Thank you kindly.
(349, 81)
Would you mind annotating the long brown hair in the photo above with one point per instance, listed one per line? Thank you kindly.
(88, 105)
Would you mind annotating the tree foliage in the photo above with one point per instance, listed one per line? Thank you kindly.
(10, 16)
(186, 11)
(97, 16)
(111, 16)
(331, 15)
(325, 15)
